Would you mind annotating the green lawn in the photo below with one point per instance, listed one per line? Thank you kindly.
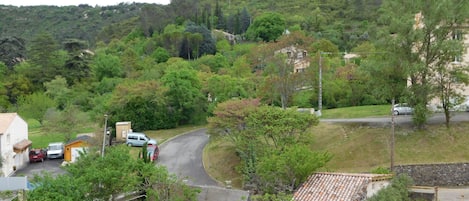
(165, 134)
(41, 139)
(357, 112)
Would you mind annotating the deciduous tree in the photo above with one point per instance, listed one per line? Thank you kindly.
(93, 177)
(269, 141)
(35, 106)
(144, 103)
(267, 27)
(184, 91)
(284, 171)
(419, 35)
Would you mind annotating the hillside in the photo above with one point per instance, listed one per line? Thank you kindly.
(360, 148)
(79, 22)
(338, 20)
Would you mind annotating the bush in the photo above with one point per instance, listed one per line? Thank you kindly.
(396, 191)
(381, 170)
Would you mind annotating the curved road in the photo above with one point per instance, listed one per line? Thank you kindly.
(182, 156)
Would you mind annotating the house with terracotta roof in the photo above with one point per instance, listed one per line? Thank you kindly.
(14, 143)
(328, 186)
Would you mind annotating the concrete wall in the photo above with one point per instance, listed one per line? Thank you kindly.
(376, 186)
(447, 174)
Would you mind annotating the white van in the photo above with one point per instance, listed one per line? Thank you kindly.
(138, 139)
(55, 150)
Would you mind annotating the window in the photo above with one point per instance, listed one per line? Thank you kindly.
(289, 54)
(457, 59)
(8, 139)
(457, 35)
(300, 70)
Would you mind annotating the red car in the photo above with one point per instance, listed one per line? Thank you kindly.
(153, 152)
(36, 155)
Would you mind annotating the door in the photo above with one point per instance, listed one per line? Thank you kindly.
(76, 153)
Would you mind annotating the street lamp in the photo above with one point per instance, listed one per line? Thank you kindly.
(104, 135)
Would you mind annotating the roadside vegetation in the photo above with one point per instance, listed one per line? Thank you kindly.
(357, 147)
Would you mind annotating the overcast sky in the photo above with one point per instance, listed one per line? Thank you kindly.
(76, 2)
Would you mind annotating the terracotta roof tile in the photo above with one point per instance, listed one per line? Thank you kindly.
(336, 187)
(22, 145)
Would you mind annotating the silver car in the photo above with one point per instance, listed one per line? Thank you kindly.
(402, 108)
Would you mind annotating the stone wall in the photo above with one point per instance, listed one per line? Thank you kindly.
(448, 174)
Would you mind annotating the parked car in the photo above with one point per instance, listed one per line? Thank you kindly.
(153, 151)
(36, 155)
(138, 139)
(402, 108)
(55, 150)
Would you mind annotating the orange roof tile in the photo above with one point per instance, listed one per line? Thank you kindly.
(336, 187)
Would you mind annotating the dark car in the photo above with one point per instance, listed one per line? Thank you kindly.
(36, 155)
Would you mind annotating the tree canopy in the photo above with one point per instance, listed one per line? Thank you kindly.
(94, 177)
(267, 27)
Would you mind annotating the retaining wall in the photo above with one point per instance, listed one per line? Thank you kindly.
(447, 174)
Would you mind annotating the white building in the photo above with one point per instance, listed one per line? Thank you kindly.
(461, 33)
(14, 143)
(297, 57)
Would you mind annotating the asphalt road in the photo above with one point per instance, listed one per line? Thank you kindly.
(182, 156)
(51, 166)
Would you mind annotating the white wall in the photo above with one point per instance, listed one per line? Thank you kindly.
(17, 131)
(375, 186)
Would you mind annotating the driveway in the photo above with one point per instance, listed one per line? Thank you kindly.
(182, 156)
(39, 168)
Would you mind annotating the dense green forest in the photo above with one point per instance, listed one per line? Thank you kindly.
(108, 59)
(165, 65)
(227, 62)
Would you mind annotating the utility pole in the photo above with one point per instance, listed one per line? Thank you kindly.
(320, 86)
(392, 134)
(104, 135)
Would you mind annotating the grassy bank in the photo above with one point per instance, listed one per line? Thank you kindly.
(358, 147)
(357, 112)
